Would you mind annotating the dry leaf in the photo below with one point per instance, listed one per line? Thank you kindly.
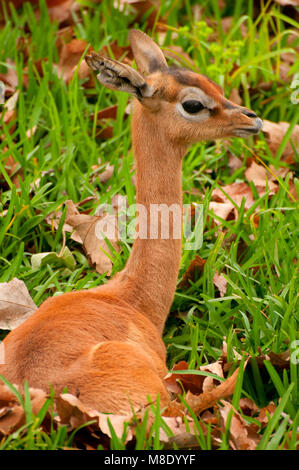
(275, 132)
(248, 407)
(13, 169)
(243, 437)
(194, 383)
(224, 210)
(294, 3)
(266, 413)
(12, 414)
(10, 78)
(102, 175)
(221, 283)
(260, 177)
(206, 400)
(69, 58)
(181, 437)
(222, 207)
(144, 6)
(190, 382)
(107, 113)
(213, 368)
(89, 228)
(280, 360)
(106, 174)
(236, 191)
(236, 357)
(73, 412)
(61, 10)
(122, 53)
(194, 269)
(16, 305)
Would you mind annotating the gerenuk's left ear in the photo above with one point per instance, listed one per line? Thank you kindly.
(118, 76)
(147, 54)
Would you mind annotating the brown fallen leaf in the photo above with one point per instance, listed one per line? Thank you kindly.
(206, 400)
(10, 78)
(12, 418)
(53, 219)
(227, 24)
(280, 360)
(275, 132)
(190, 382)
(68, 410)
(221, 205)
(262, 178)
(242, 435)
(143, 7)
(107, 113)
(193, 271)
(89, 230)
(122, 53)
(11, 166)
(236, 191)
(181, 440)
(294, 3)
(224, 210)
(13, 170)
(266, 413)
(213, 368)
(248, 407)
(12, 414)
(74, 413)
(61, 10)
(221, 283)
(10, 111)
(236, 357)
(177, 382)
(101, 174)
(16, 305)
(105, 175)
(181, 437)
(70, 55)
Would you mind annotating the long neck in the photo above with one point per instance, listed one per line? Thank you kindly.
(151, 272)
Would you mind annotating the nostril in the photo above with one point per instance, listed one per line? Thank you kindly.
(248, 113)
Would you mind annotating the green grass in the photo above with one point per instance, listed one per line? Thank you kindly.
(258, 313)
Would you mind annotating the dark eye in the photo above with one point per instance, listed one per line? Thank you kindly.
(192, 106)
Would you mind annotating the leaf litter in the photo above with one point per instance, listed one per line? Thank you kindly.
(206, 397)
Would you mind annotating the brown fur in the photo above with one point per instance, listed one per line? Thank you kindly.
(105, 345)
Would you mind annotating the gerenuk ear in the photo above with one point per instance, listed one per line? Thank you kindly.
(147, 53)
(118, 76)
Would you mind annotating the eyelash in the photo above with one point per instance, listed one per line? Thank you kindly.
(192, 106)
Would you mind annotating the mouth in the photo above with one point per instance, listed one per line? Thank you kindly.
(247, 131)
